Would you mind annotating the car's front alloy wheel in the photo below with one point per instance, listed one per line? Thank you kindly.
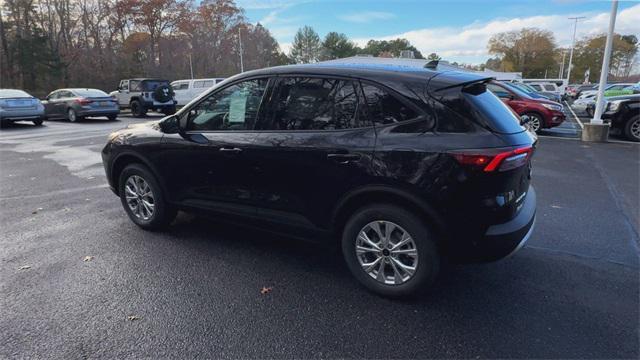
(632, 128)
(535, 122)
(143, 199)
(139, 197)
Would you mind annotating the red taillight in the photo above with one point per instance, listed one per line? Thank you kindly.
(490, 160)
(84, 101)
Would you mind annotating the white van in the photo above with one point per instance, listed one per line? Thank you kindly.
(187, 90)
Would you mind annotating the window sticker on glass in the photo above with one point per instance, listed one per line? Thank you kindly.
(237, 106)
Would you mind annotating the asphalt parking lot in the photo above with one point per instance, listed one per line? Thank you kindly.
(79, 280)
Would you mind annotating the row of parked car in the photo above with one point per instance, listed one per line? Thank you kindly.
(140, 95)
(622, 108)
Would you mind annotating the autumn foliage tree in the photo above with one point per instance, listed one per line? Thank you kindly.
(47, 44)
(530, 51)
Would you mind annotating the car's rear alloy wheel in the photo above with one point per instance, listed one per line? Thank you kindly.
(387, 252)
(71, 115)
(390, 250)
(139, 197)
(142, 198)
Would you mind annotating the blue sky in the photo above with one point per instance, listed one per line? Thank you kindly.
(457, 30)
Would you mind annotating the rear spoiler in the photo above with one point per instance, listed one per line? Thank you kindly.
(478, 81)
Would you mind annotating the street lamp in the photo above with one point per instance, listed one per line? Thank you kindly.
(573, 43)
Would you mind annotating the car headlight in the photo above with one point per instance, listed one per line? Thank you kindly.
(553, 107)
(614, 105)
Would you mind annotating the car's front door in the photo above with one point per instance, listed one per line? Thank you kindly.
(51, 111)
(314, 146)
(212, 164)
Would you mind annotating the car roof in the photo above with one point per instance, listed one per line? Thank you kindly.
(383, 72)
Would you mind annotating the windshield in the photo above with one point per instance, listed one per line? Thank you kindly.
(524, 87)
(90, 92)
(518, 91)
(10, 93)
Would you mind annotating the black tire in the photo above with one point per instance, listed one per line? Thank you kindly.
(589, 111)
(169, 111)
(38, 122)
(137, 109)
(632, 129)
(163, 213)
(72, 116)
(112, 117)
(535, 119)
(428, 258)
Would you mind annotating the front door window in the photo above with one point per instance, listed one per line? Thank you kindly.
(232, 108)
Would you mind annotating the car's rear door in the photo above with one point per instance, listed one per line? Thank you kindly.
(314, 145)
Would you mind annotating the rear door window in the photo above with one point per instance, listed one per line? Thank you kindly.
(550, 87)
(385, 108)
(304, 103)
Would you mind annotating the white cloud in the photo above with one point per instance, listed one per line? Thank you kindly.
(367, 16)
(469, 43)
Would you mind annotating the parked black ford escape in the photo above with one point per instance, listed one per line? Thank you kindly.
(402, 166)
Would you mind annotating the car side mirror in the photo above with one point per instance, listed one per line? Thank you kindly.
(170, 125)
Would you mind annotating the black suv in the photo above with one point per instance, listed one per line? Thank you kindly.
(401, 166)
(624, 114)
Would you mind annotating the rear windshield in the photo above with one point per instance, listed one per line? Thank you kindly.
(150, 85)
(10, 93)
(494, 112)
(90, 93)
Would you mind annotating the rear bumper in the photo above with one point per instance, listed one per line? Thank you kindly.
(98, 112)
(17, 115)
(503, 240)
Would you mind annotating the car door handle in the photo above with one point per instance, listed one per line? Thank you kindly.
(343, 158)
(230, 150)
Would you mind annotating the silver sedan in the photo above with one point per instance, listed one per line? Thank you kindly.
(17, 105)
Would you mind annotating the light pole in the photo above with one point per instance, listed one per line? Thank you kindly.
(573, 43)
(240, 44)
(605, 65)
(561, 74)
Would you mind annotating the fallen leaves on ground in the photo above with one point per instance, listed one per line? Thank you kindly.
(36, 210)
(87, 258)
(556, 206)
(24, 267)
(265, 290)
(134, 317)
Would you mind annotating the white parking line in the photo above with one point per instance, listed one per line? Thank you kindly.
(574, 115)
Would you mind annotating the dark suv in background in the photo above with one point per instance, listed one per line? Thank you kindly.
(400, 166)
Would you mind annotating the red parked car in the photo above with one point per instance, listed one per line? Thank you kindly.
(542, 113)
